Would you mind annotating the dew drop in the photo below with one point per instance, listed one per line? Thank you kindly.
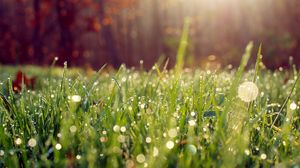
(192, 123)
(148, 140)
(248, 91)
(73, 129)
(76, 98)
(2, 152)
(123, 129)
(140, 158)
(293, 106)
(116, 128)
(32, 142)
(130, 164)
(78, 157)
(193, 114)
(192, 149)
(170, 144)
(121, 138)
(247, 152)
(58, 146)
(155, 152)
(172, 133)
(18, 141)
(263, 156)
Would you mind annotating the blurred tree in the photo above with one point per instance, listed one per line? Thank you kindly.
(66, 14)
(106, 21)
(117, 31)
(36, 39)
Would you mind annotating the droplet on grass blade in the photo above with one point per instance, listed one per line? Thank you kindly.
(32, 142)
(73, 129)
(192, 123)
(170, 145)
(76, 98)
(293, 106)
(2, 152)
(248, 91)
(172, 133)
(123, 129)
(192, 149)
(155, 152)
(78, 157)
(130, 164)
(140, 158)
(193, 114)
(263, 156)
(247, 152)
(116, 128)
(148, 140)
(121, 138)
(58, 146)
(103, 139)
(18, 141)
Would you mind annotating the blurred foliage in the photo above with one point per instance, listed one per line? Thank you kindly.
(91, 33)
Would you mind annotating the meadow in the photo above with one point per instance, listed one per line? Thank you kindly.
(157, 118)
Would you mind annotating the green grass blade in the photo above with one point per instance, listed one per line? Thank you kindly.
(182, 46)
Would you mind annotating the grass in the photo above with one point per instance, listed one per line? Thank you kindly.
(132, 118)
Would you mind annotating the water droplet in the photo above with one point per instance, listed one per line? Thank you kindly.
(293, 106)
(248, 91)
(103, 139)
(32, 142)
(155, 152)
(193, 114)
(58, 146)
(129, 164)
(247, 152)
(123, 129)
(172, 133)
(143, 106)
(192, 149)
(121, 138)
(263, 156)
(78, 157)
(18, 141)
(148, 140)
(170, 144)
(73, 129)
(2, 152)
(140, 158)
(76, 98)
(116, 128)
(192, 123)
(284, 143)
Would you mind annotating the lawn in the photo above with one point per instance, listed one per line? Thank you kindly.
(155, 118)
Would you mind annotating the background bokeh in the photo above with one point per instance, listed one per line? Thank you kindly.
(94, 32)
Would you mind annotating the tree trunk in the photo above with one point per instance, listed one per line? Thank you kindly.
(36, 39)
(66, 17)
(108, 37)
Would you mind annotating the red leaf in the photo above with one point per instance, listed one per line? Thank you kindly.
(17, 83)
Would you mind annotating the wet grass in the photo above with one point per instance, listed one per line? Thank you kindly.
(158, 118)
